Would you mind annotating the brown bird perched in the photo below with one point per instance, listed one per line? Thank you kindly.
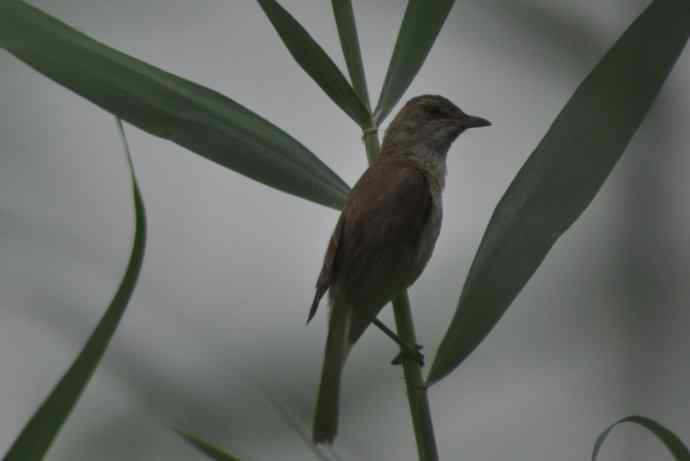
(385, 234)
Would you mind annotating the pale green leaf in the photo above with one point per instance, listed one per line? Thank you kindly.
(669, 439)
(168, 106)
(315, 62)
(421, 25)
(38, 434)
(206, 448)
(564, 173)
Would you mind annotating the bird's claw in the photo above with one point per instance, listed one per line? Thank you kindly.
(410, 353)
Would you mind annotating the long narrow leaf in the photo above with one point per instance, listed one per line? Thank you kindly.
(168, 106)
(349, 40)
(206, 448)
(38, 434)
(564, 173)
(315, 62)
(422, 22)
(669, 439)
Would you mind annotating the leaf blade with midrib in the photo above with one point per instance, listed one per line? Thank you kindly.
(564, 173)
(670, 440)
(315, 62)
(166, 105)
(421, 25)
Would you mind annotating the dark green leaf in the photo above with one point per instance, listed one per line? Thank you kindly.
(669, 439)
(315, 62)
(349, 40)
(168, 106)
(564, 173)
(206, 448)
(38, 434)
(422, 22)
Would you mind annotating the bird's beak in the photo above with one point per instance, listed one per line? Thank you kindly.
(470, 121)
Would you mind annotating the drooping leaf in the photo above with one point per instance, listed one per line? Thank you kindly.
(422, 22)
(669, 439)
(315, 62)
(564, 173)
(168, 106)
(349, 40)
(206, 448)
(38, 434)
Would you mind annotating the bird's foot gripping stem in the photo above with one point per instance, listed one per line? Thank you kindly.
(407, 351)
(410, 353)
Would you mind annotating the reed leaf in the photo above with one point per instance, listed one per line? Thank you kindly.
(667, 437)
(421, 25)
(564, 173)
(35, 439)
(195, 117)
(206, 448)
(315, 62)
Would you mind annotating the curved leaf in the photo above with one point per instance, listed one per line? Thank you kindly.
(38, 434)
(564, 173)
(669, 439)
(168, 106)
(206, 448)
(422, 22)
(315, 62)
(349, 40)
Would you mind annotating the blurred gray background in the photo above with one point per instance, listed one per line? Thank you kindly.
(214, 336)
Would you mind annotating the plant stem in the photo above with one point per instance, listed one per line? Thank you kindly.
(416, 391)
(370, 137)
(347, 30)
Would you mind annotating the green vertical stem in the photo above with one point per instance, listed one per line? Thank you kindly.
(416, 391)
(347, 30)
(370, 137)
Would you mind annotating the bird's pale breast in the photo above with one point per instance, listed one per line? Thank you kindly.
(429, 235)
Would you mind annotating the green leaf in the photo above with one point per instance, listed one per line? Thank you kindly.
(206, 448)
(38, 434)
(349, 40)
(564, 173)
(168, 106)
(315, 62)
(422, 22)
(669, 439)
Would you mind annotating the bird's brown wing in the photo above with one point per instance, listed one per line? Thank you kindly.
(327, 275)
(382, 222)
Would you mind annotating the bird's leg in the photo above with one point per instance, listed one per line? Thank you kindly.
(406, 351)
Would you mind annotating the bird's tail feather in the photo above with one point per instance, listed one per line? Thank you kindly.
(337, 349)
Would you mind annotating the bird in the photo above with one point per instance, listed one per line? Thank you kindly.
(385, 235)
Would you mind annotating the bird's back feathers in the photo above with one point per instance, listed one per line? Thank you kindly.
(372, 254)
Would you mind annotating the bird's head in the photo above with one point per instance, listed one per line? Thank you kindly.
(431, 121)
